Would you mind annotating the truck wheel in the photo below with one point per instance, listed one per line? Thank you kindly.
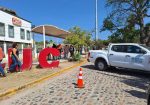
(101, 65)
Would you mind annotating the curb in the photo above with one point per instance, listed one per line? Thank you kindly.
(14, 90)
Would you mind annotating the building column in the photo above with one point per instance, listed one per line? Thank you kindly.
(44, 35)
(22, 46)
(35, 53)
(5, 48)
(22, 50)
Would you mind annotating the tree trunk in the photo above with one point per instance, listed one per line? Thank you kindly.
(142, 35)
(147, 35)
(142, 31)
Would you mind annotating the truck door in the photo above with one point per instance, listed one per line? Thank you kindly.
(116, 56)
(136, 57)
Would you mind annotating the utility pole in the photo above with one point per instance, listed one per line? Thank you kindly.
(96, 21)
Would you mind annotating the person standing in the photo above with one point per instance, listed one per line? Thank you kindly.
(59, 47)
(1, 58)
(15, 59)
(71, 50)
(66, 51)
(80, 50)
(54, 46)
(30, 46)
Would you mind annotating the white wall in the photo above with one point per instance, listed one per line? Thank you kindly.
(7, 20)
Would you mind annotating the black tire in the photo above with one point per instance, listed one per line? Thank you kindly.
(101, 65)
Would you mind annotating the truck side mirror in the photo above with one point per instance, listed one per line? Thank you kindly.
(143, 51)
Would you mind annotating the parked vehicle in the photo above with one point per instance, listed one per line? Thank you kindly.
(124, 55)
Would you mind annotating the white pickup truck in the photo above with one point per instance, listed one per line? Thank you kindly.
(124, 55)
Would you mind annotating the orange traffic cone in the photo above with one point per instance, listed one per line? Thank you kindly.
(80, 80)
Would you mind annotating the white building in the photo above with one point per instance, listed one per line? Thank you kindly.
(14, 29)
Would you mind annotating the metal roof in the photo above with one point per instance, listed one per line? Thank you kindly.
(51, 30)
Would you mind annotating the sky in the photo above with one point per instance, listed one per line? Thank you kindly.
(64, 14)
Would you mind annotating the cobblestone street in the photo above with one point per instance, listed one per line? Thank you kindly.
(112, 87)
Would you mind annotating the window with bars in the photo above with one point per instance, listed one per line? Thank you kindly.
(2, 29)
(11, 31)
(28, 35)
(22, 33)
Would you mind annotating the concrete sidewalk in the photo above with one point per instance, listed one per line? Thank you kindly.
(14, 80)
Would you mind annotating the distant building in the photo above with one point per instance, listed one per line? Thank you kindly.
(14, 29)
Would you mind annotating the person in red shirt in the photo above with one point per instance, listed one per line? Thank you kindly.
(1, 58)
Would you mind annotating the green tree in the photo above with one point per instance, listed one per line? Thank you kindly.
(125, 35)
(78, 37)
(99, 44)
(137, 10)
(108, 25)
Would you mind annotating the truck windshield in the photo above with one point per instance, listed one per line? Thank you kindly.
(146, 47)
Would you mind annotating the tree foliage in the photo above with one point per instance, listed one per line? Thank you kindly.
(78, 37)
(128, 13)
(101, 43)
(125, 35)
(108, 25)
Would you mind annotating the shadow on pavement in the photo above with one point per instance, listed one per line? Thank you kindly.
(137, 94)
(135, 73)
(38, 66)
(133, 78)
(137, 82)
(89, 67)
(74, 84)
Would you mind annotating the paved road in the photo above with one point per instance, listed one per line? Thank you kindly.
(113, 87)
